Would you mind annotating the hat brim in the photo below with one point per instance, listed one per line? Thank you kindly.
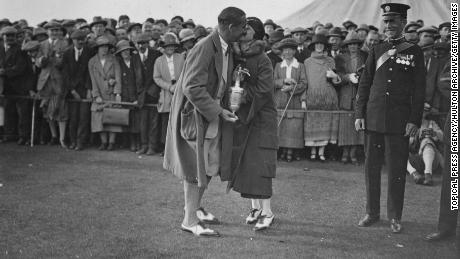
(191, 37)
(334, 35)
(270, 23)
(311, 46)
(288, 46)
(98, 22)
(171, 45)
(123, 49)
(353, 41)
(302, 31)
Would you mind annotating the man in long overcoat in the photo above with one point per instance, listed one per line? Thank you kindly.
(200, 125)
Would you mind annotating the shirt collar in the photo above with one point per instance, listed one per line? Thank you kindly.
(146, 53)
(169, 59)
(223, 44)
(294, 63)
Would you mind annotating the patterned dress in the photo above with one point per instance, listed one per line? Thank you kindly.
(320, 128)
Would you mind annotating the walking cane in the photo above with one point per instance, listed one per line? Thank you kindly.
(33, 123)
(285, 108)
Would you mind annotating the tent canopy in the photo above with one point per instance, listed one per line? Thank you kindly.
(432, 12)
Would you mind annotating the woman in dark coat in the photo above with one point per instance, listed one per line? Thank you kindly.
(131, 81)
(255, 141)
(348, 65)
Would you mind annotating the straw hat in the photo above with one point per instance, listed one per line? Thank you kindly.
(170, 39)
(123, 45)
(352, 38)
(186, 34)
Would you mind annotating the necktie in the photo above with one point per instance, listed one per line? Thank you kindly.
(77, 56)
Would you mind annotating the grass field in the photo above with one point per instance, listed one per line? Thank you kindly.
(92, 204)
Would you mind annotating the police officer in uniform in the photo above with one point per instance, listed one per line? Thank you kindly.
(389, 108)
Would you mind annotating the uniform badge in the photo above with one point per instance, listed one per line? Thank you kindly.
(387, 8)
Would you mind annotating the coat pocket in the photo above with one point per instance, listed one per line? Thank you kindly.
(188, 125)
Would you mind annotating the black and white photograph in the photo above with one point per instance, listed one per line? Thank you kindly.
(229, 129)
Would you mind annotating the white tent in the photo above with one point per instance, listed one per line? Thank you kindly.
(432, 12)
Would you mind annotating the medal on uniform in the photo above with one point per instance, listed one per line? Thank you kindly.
(398, 60)
(392, 52)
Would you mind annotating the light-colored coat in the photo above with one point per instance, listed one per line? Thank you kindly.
(196, 89)
(49, 59)
(100, 77)
(162, 78)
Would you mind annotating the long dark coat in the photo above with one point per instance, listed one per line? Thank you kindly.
(255, 140)
(348, 90)
(195, 92)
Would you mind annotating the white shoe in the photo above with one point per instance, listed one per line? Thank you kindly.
(200, 230)
(206, 217)
(253, 216)
(264, 222)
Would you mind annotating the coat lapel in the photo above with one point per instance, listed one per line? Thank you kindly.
(218, 54)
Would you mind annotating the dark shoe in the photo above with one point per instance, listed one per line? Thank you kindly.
(344, 160)
(438, 236)
(21, 142)
(150, 152)
(395, 225)
(200, 230)
(132, 147)
(418, 178)
(110, 147)
(53, 142)
(142, 151)
(428, 180)
(103, 146)
(72, 146)
(368, 220)
(79, 148)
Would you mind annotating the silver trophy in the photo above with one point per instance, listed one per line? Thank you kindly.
(236, 91)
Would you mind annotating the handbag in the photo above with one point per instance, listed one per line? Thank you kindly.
(188, 127)
(115, 116)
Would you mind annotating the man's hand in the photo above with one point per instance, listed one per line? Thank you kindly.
(228, 116)
(411, 130)
(98, 99)
(359, 124)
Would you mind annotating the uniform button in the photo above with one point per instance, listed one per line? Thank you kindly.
(389, 80)
(392, 57)
(387, 93)
(391, 69)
